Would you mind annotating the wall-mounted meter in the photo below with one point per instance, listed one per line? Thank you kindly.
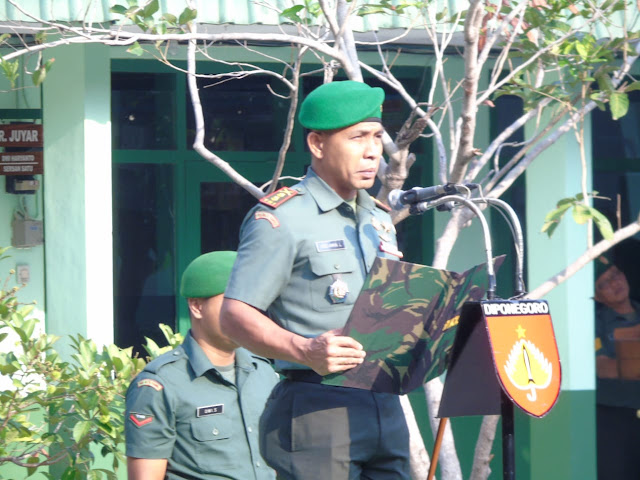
(21, 184)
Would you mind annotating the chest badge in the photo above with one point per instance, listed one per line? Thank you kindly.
(210, 410)
(338, 291)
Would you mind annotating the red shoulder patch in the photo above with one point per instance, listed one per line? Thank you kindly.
(381, 205)
(149, 382)
(278, 197)
(261, 214)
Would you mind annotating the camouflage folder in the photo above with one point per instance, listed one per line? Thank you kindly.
(405, 317)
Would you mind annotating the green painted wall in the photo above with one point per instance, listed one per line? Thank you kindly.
(563, 445)
(78, 251)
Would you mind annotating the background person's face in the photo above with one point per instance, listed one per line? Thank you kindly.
(612, 287)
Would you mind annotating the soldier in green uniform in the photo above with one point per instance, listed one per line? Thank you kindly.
(617, 399)
(303, 257)
(194, 412)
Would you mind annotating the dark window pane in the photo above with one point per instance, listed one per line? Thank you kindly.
(395, 111)
(616, 139)
(143, 111)
(144, 246)
(240, 115)
(222, 209)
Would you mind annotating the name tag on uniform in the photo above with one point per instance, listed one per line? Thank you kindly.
(210, 410)
(330, 245)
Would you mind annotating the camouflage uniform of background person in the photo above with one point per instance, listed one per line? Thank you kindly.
(303, 256)
(617, 399)
(194, 411)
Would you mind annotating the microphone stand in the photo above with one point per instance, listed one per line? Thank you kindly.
(506, 405)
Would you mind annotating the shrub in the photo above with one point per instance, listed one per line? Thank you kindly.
(58, 411)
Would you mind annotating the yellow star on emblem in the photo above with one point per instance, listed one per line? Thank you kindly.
(520, 331)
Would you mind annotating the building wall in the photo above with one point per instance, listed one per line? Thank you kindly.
(76, 206)
(77, 202)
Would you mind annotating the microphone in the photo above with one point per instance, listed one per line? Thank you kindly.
(400, 198)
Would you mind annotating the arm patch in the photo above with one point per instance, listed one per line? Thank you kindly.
(278, 197)
(149, 382)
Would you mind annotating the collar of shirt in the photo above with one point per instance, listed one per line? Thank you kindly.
(326, 198)
(201, 363)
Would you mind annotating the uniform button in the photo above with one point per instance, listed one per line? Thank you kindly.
(176, 353)
(249, 429)
(336, 266)
(257, 464)
(215, 431)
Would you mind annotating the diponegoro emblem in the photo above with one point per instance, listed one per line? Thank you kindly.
(524, 351)
(527, 368)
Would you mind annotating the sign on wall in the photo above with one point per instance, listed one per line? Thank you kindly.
(22, 144)
(21, 163)
(24, 135)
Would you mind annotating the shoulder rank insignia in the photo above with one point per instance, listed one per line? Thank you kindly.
(381, 205)
(140, 419)
(261, 214)
(149, 382)
(278, 197)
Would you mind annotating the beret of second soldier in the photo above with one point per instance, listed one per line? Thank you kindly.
(341, 104)
(207, 275)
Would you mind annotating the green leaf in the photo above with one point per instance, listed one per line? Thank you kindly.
(81, 430)
(549, 228)
(632, 86)
(552, 219)
(604, 82)
(170, 19)
(603, 224)
(581, 213)
(619, 105)
(118, 9)
(187, 15)
(582, 50)
(292, 13)
(135, 49)
(150, 8)
(10, 70)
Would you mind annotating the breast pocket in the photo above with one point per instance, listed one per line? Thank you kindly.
(213, 445)
(327, 268)
(214, 427)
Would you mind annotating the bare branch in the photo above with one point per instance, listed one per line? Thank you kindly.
(589, 255)
(198, 144)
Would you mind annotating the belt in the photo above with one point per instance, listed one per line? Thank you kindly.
(308, 376)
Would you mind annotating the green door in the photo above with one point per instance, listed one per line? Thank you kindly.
(169, 204)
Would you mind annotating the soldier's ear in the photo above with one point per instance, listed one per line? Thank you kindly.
(315, 141)
(195, 307)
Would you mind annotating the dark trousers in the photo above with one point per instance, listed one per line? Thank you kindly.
(618, 440)
(313, 431)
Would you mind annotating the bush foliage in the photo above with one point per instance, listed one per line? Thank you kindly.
(61, 411)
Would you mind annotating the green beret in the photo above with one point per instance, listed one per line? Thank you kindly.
(341, 104)
(207, 275)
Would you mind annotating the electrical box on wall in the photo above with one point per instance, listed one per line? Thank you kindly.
(21, 184)
(27, 233)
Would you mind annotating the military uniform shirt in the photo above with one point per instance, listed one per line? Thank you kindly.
(615, 392)
(180, 408)
(290, 256)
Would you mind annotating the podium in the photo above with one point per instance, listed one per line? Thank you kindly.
(502, 348)
(504, 351)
